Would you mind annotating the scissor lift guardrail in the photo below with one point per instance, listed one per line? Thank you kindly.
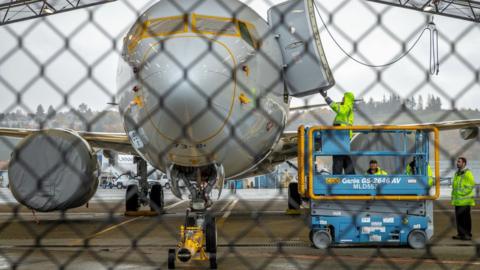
(360, 208)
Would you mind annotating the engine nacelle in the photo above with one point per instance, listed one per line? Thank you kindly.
(469, 133)
(53, 170)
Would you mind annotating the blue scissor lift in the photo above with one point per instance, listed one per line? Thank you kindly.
(368, 209)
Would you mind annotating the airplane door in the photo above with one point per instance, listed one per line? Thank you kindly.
(307, 70)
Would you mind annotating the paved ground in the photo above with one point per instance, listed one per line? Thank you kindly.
(116, 195)
(253, 233)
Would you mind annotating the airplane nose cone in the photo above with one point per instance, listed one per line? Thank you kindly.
(188, 88)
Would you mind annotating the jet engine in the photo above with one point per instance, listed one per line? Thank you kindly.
(53, 170)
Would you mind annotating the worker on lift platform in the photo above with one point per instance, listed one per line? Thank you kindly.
(375, 169)
(344, 117)
(412, 170)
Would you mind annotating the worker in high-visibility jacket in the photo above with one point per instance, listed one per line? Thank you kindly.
(344, 117)
(411, 170)
(375, 169)
(463, 199)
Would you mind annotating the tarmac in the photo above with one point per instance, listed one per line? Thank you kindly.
(253, 232)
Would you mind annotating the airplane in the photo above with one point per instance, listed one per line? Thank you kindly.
(204, 89)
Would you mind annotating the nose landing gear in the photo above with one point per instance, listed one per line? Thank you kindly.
(198, 234)
(198, 241)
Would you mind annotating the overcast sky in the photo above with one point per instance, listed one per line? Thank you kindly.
(89, 44)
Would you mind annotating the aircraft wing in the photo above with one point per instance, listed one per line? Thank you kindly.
(451, 125)
(285, 150)
(112, 141)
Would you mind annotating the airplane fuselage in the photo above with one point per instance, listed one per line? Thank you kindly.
(198, 87)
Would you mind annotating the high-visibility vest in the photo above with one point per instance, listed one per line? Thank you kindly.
(379, 172)
(344, 112)
(463, 188)
(408, 171)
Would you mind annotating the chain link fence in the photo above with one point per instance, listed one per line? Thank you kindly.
(200, 90)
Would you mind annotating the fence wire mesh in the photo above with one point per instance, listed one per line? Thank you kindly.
(200, 91)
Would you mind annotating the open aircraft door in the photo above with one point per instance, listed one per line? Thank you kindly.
(306, 67)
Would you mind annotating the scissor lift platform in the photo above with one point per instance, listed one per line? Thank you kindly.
(368, 209)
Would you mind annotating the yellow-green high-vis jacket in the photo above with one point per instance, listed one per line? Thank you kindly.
(380, 171)
(463, 186)
(344, 111)
(408, 171)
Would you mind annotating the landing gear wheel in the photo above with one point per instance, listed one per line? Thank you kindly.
(417, 239)
(131, 199)
(156, 198)
(210, 234)
(294, 200)
(171, 258)
(321, 239)
(213, 260)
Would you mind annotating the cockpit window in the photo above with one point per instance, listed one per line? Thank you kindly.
(203, 24)
(214, 25)
(167, 26)
(221, 26)
(257, 43)
(155, 28)
(245, 34)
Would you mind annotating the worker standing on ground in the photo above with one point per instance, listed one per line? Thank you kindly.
(344, 117)
(463, 199)
(375, 169)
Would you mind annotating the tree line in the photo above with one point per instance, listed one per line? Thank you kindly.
(84, 118)
(80, 118)
(394, 102)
